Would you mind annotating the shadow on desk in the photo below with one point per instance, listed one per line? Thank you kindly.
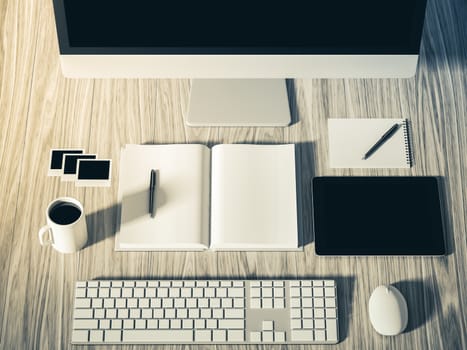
(293, 103)
(104, 223)
(421, 298)
(446, 217)
(443, 40)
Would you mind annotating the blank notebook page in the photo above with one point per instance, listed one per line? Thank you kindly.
(181, 220)
(350, 139)
(253, 203)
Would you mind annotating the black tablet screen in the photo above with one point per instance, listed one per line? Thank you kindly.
(377, 216)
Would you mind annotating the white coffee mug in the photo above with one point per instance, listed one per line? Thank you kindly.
(66, 229)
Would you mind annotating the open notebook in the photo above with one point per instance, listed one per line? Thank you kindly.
(350, 139)
(235, 197)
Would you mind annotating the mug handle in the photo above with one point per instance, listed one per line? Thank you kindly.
(42, 232)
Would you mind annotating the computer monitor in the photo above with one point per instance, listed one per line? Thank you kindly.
(257, 40)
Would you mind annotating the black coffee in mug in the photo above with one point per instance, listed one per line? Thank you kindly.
(64, 213)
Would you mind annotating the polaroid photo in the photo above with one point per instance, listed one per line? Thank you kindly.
(94, 173)
(56, 159)
(70, 165)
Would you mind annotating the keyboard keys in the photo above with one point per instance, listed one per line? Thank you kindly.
(255, 303)
(175, 324)
(331, 330)
(211, 324)
(279, 337)
(278, 303)
(169, 313)
(234, 313)
(174, 292)
(80, 293)
(235, 335)
(187, 324)
(221, 293)
(268, 325)
(279, 292)
(182, 313)
(132, 303)
(140, 336)
(85, 324)
(127, 292)
(213, 311)
(318, 313)
(144, 302)
(83, 313)
(140, 324)
(320, 335)
(82, 303)
(203, 302)
(205, 313)
(255, 292)
(267, 303)
(296, 323)
(200, 324)
(80, 336)
(104, 292)
(319, 323)
(202, 335)
(151, 293)
(158, 313)
(155, 302)
(104, 324)
(268, 337)
(318, 302)
(232, 324)
(128, 324)
(217, 313)
(331, 313)
(164, 324)
(302, 335)
(116, 324)
(238, 303)
(92, 293)
(219, 335)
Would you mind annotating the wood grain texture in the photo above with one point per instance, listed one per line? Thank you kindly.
(39, 109)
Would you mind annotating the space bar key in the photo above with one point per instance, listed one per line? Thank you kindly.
(172, 336)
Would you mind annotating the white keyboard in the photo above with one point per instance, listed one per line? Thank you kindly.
(205, 312)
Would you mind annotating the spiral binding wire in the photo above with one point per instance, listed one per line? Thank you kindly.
(408, 148)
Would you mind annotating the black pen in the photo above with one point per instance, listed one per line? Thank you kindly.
(387, 135)
(152, 194)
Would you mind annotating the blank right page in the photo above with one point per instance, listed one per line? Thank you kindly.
(253, 198)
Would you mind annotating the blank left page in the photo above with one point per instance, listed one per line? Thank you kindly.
(182, 198)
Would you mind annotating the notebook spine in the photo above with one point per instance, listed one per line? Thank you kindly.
(408, 148)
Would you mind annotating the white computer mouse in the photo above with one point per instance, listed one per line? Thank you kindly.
(388, 310)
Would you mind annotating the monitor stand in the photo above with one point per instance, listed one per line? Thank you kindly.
(238, 102)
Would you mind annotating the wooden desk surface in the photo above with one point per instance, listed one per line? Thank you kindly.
(39, 110)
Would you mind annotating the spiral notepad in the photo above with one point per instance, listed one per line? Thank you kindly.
(350, 139)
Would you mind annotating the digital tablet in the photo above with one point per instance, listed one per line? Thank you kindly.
(377, 216)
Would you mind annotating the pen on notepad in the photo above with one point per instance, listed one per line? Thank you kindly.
(387, 135)
(152, 194)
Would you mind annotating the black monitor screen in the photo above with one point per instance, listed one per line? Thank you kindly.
(240, 26)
